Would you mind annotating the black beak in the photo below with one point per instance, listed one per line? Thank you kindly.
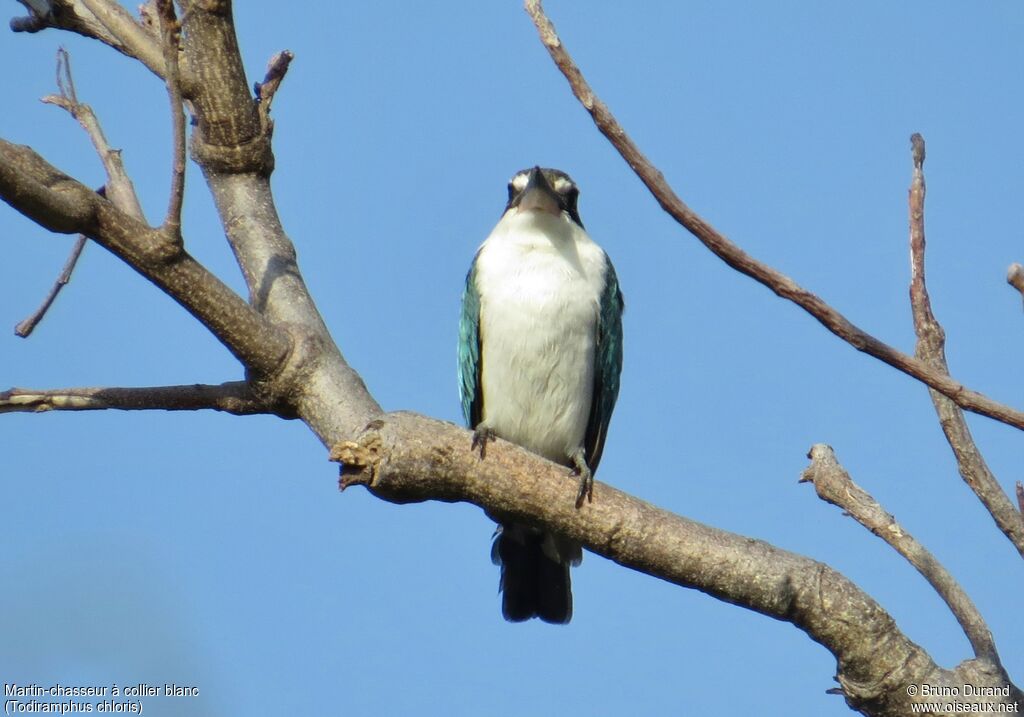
(538, 195)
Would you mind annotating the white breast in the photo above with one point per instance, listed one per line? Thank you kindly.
(540, 279)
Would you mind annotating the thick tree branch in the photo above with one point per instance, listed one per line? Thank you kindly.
(102, 20)
(405, 458)
(228, 135)
(834, 485)
(931, 348)
(232, 397)
(739, 260)
(231, 144)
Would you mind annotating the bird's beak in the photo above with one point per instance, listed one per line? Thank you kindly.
(538, 195)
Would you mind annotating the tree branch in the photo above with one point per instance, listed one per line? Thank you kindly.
(228, 135)
(232, 146)
(119, 188)
(404, 458)
(170, 33)
(931, 342)
(834, 485)
(276, 70)
(55, 201)
(232, 397)
(102, 20)
(1015, 277)
(739, 260)
(27, 325)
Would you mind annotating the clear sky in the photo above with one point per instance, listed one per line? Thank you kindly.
(216, 551)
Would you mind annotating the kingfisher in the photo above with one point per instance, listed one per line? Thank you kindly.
(540, 353)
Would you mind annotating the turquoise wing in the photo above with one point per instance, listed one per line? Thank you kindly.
(469, 352)
(607, 366)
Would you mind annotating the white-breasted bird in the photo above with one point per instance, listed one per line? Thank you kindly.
(540, 353)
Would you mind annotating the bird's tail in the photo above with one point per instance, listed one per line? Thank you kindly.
(534, 573)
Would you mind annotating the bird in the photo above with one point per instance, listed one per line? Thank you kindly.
(539, 362)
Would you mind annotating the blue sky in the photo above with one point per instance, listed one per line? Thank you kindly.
(216, 551)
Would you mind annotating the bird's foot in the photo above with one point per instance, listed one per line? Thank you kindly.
(481, 435)
(581, 469)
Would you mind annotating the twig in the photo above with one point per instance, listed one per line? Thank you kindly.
(834, 485)
(1015, 277)
(739, 260)
(231, 397)
(25, 327)
(170, 32)
(931, 341)
(276, 70)
(119, 188)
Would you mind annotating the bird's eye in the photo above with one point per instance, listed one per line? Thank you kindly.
(511, 191)
(571, 196)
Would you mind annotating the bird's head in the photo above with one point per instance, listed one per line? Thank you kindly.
(543, 190)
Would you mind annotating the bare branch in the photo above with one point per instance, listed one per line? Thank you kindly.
(231, 144)
(739, 260)
(406, 458)
(834, 485)
(1020, 496)
(1015, 277)
(931, 342)
(119, 188)
(276, 70)
(25, 327)
(232, 397)
(102, 20)
(170, 33)
(228, 135)
(55, 201)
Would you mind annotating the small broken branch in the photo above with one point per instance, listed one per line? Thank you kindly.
(742, 262)
(232, 397)
(834, 485)
(1015, 277)
(265, 91)
(931, 349)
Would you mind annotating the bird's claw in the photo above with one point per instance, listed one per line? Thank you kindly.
(586, 491)
(481, 435)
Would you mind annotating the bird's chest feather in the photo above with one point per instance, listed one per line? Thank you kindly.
(539, 307)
